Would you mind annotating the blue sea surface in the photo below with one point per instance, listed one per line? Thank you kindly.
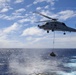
(20, 61)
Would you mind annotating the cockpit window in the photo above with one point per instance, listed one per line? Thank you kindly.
(47, 23)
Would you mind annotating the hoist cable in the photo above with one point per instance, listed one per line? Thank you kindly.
(54, 40)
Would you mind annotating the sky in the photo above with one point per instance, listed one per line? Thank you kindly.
(18, 27)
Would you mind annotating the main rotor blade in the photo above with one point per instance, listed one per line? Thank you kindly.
(43, 15)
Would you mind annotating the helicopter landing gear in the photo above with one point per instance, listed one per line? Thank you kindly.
(64, 33)
(52, 30)
(47, 31)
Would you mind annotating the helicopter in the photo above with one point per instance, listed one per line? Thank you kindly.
(54, 25)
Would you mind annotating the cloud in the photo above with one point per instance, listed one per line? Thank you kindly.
(38, 8)
(41, 8)
(19, 1)
(5, 6)
(8, 37)
(18, 12)
(29, 5)
(6, 9)
(47, 6)
(66, 73)
(11, 28)
(32, 31)
(67, 14)
(8, 30)
(13, 16)
(7, 43)
(30, 17)
(24, 20)
(4, 3)
(48, 1)
(40, 39)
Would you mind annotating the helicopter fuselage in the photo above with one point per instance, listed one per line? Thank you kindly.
(56, 26)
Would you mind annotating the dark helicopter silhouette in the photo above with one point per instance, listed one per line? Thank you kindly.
(54, 25)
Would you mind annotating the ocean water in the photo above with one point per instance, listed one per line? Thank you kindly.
(17, 61)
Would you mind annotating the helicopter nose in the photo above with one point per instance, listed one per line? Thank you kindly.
(39, 26)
